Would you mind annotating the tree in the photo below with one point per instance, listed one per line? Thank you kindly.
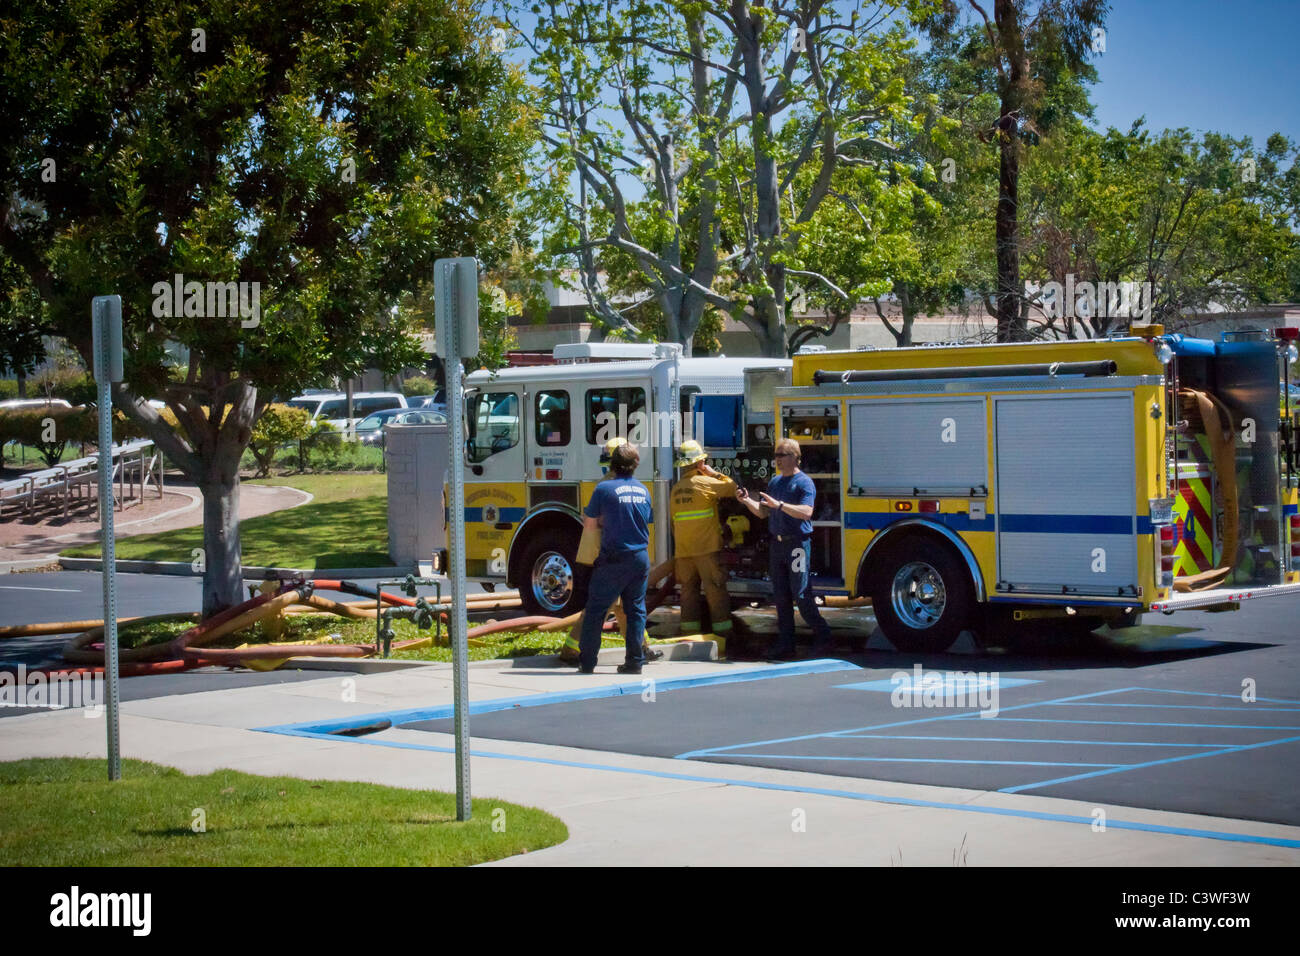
(1194, 221)
(1034, 55)
(702, 140)
(298, 167)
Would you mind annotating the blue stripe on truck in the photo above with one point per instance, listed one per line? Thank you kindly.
(473, 515)
(1033, 524)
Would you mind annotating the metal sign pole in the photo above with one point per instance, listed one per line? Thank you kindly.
(106, 327)
(456, 302)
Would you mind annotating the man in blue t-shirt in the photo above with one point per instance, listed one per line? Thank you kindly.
(620, 507)
(788, 506)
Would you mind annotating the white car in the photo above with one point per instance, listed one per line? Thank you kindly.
(331, 407)
(33, 403)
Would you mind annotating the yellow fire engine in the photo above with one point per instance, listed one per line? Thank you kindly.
(966, 485)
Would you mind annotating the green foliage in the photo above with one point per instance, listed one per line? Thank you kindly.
(680, 181)
(419, 385)
(328, 151)
(48, 429)
(8, 388)
(1206, 219)
(277, 426)
(75, 386)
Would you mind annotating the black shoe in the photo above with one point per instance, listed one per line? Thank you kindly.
(782, 654)
(629, 668)
(653, 655)
(586, 670)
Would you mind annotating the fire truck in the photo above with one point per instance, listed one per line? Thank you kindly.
(535, 436)
(967, 487)
(962, 487)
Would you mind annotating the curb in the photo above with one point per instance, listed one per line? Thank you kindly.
(693, 651)
(360, 665)
(184, 569)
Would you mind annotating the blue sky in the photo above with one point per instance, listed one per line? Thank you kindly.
(1223, 65)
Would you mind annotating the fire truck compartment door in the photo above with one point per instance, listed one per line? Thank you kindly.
(935, 446)
(1066, 494)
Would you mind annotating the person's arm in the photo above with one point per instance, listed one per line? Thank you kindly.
(748, 500)
(800, 512)
(591, 515)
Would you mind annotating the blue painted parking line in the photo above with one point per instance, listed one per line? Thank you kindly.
(1023, 814)
(1243, 708)
(1143, 723)
(689, 755)
(734, 751)
(1001, 763)
(1032, 740)
(1199, 693)
(444, 711)
(1151, 763)
(951, 681)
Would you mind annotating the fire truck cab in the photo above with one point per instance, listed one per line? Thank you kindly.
(535, 436)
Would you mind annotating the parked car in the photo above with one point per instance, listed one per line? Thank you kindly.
(436, 402)
(331, 407)
(13, 403)
(370, 431)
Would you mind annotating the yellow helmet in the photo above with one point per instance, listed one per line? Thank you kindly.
(690, 453)
(608, 450)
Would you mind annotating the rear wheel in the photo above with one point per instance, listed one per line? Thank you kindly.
(549, 583)
(921, 593)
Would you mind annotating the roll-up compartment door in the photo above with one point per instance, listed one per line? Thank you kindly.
(1066, 494)
(922, 446)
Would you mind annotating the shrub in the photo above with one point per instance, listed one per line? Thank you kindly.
(278, 426)
(419, 385)
(8, 388)
(49, 429)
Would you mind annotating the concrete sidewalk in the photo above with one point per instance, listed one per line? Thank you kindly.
(631, 810)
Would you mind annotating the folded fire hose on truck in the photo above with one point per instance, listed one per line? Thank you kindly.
(1216, 424)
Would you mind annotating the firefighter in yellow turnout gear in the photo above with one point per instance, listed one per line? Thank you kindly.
(697, 539)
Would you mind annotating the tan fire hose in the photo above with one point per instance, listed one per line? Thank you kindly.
(1216, 424)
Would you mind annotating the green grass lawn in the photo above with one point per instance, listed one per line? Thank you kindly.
(65, 812)
(344, 526)
(326, 488)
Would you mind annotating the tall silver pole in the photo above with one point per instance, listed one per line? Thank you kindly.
(109, 575)
(456, 552)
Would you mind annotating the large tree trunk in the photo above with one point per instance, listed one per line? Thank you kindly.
(1011, 328)
(222, 570)
(771, 344)
(1012, 325)
(209, 458)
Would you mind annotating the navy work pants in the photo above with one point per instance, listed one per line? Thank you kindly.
(616, 574)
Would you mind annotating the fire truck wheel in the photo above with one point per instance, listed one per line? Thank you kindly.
(922, 596)
(548, 583)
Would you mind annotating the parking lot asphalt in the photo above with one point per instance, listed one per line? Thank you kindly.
(1166, 717)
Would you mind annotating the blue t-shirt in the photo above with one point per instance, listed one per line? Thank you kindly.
(623, 504)
(797, 489)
